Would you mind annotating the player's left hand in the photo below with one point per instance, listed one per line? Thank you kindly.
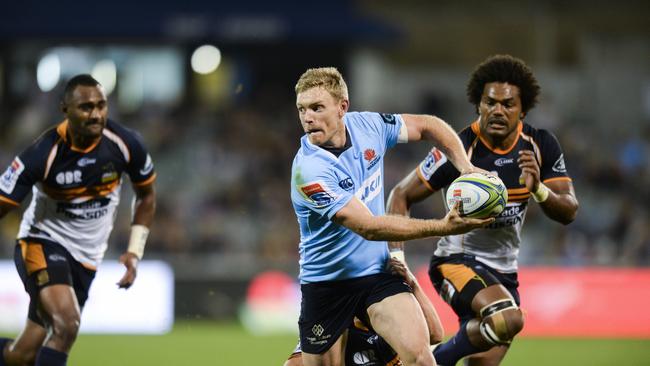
(130, 261)
(529, 170)
(475, 169)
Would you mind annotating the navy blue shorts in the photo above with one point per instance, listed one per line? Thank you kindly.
(41, 263)
(459, 277)
(329, 307)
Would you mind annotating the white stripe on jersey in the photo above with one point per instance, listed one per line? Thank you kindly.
(120, 143)
(50, 160)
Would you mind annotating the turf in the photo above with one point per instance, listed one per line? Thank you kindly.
(204, 343)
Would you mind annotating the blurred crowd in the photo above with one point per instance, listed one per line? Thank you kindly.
(223, 184)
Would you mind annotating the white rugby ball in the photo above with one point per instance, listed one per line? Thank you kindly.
(482, 195)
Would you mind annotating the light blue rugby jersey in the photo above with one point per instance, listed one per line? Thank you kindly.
(322, 184)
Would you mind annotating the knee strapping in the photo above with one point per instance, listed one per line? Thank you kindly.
(494, 325)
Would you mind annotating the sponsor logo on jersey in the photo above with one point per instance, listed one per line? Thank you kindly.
(318, 330)
(370, 188)
(69, 177)
(42, 278)
(318, 193)
(347, 184)
(504, 161)
(371, 157)
(57, 258)
(388, 118)
(86, 161)
(432, 162)
(11, 175)
(559, 166)
(148, 166)
(109, 176)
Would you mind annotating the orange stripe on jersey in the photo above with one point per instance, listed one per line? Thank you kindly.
(519, 196)
(517, 190)
(145, 182)
(424, 180)
(517, 200)
(33, 256)
(101, 190)
(536, 149)
(394, 362)
(62, 130)
(359, 324)
(9, 201)
(50, 158)
(457, 274)
(477, 130)
(567, 179)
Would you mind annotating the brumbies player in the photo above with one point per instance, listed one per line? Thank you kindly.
(74, 171)
(476, 273)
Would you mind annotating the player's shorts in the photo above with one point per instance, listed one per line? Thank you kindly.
(329, 307)
(41, 263)
(459, 277)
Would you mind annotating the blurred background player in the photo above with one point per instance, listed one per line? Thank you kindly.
(364, 347)
(476, 273)
(338, 196)
(74, 171)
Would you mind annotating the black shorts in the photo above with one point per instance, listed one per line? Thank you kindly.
(459, 277)
(41, 263)
(328, 308)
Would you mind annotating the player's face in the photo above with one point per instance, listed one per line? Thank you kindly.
(499, 110)
(86, 110)
(321, 116)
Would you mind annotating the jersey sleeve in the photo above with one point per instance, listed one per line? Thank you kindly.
(436, 171)
(552, 164)
(140, 168)
(320, 190)
(24, 171)
(387, 125)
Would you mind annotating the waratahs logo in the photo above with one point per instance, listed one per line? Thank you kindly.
(371, 157)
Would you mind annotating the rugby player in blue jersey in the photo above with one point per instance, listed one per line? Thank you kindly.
(337, 190)
(476, 273)
(74, 172)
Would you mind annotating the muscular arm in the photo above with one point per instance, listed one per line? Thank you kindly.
(561, 204)
(430, 128)
(407, 192)
(356, 217)
(145, 205)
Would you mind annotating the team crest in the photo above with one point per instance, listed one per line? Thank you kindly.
(11, 175)
(559, 166)
(371, 157)
(432, 162)
(318, 193)
(388, 118)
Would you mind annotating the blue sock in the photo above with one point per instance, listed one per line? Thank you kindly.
(51, 357)
(459, 346)
(3, 344)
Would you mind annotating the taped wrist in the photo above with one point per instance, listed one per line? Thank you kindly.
(138, 240)
(541, 194)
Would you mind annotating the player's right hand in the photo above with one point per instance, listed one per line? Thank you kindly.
(455, 224)
(399, 268)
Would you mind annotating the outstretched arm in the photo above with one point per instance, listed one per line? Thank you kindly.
(436, 331)
(358, 218)
(144, 209)
(407, 192)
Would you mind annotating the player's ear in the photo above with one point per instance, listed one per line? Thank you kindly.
(344, 105)
(63, 107)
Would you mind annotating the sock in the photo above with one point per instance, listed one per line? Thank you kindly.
(459, 346)
(3, 344)
(51, 357)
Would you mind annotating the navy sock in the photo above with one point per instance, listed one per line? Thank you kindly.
(51, 357)
(3, 344)
(459, 346)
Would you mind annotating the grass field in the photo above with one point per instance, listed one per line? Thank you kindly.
(203, 343)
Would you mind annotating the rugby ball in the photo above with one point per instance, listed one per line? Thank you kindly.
(482, 195)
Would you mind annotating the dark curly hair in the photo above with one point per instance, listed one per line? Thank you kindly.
(78, 80)
(506, 69)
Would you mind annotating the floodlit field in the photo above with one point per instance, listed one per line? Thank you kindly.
(204, 343)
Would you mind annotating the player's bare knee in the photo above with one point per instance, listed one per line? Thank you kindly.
(500, 322)
(65, 327)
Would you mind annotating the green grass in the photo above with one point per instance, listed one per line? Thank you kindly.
(204, 343)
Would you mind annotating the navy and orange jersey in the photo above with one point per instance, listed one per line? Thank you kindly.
(497, 245)
(75, 192)
(364, 348)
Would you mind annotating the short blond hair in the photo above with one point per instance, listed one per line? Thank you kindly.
(329, 78)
